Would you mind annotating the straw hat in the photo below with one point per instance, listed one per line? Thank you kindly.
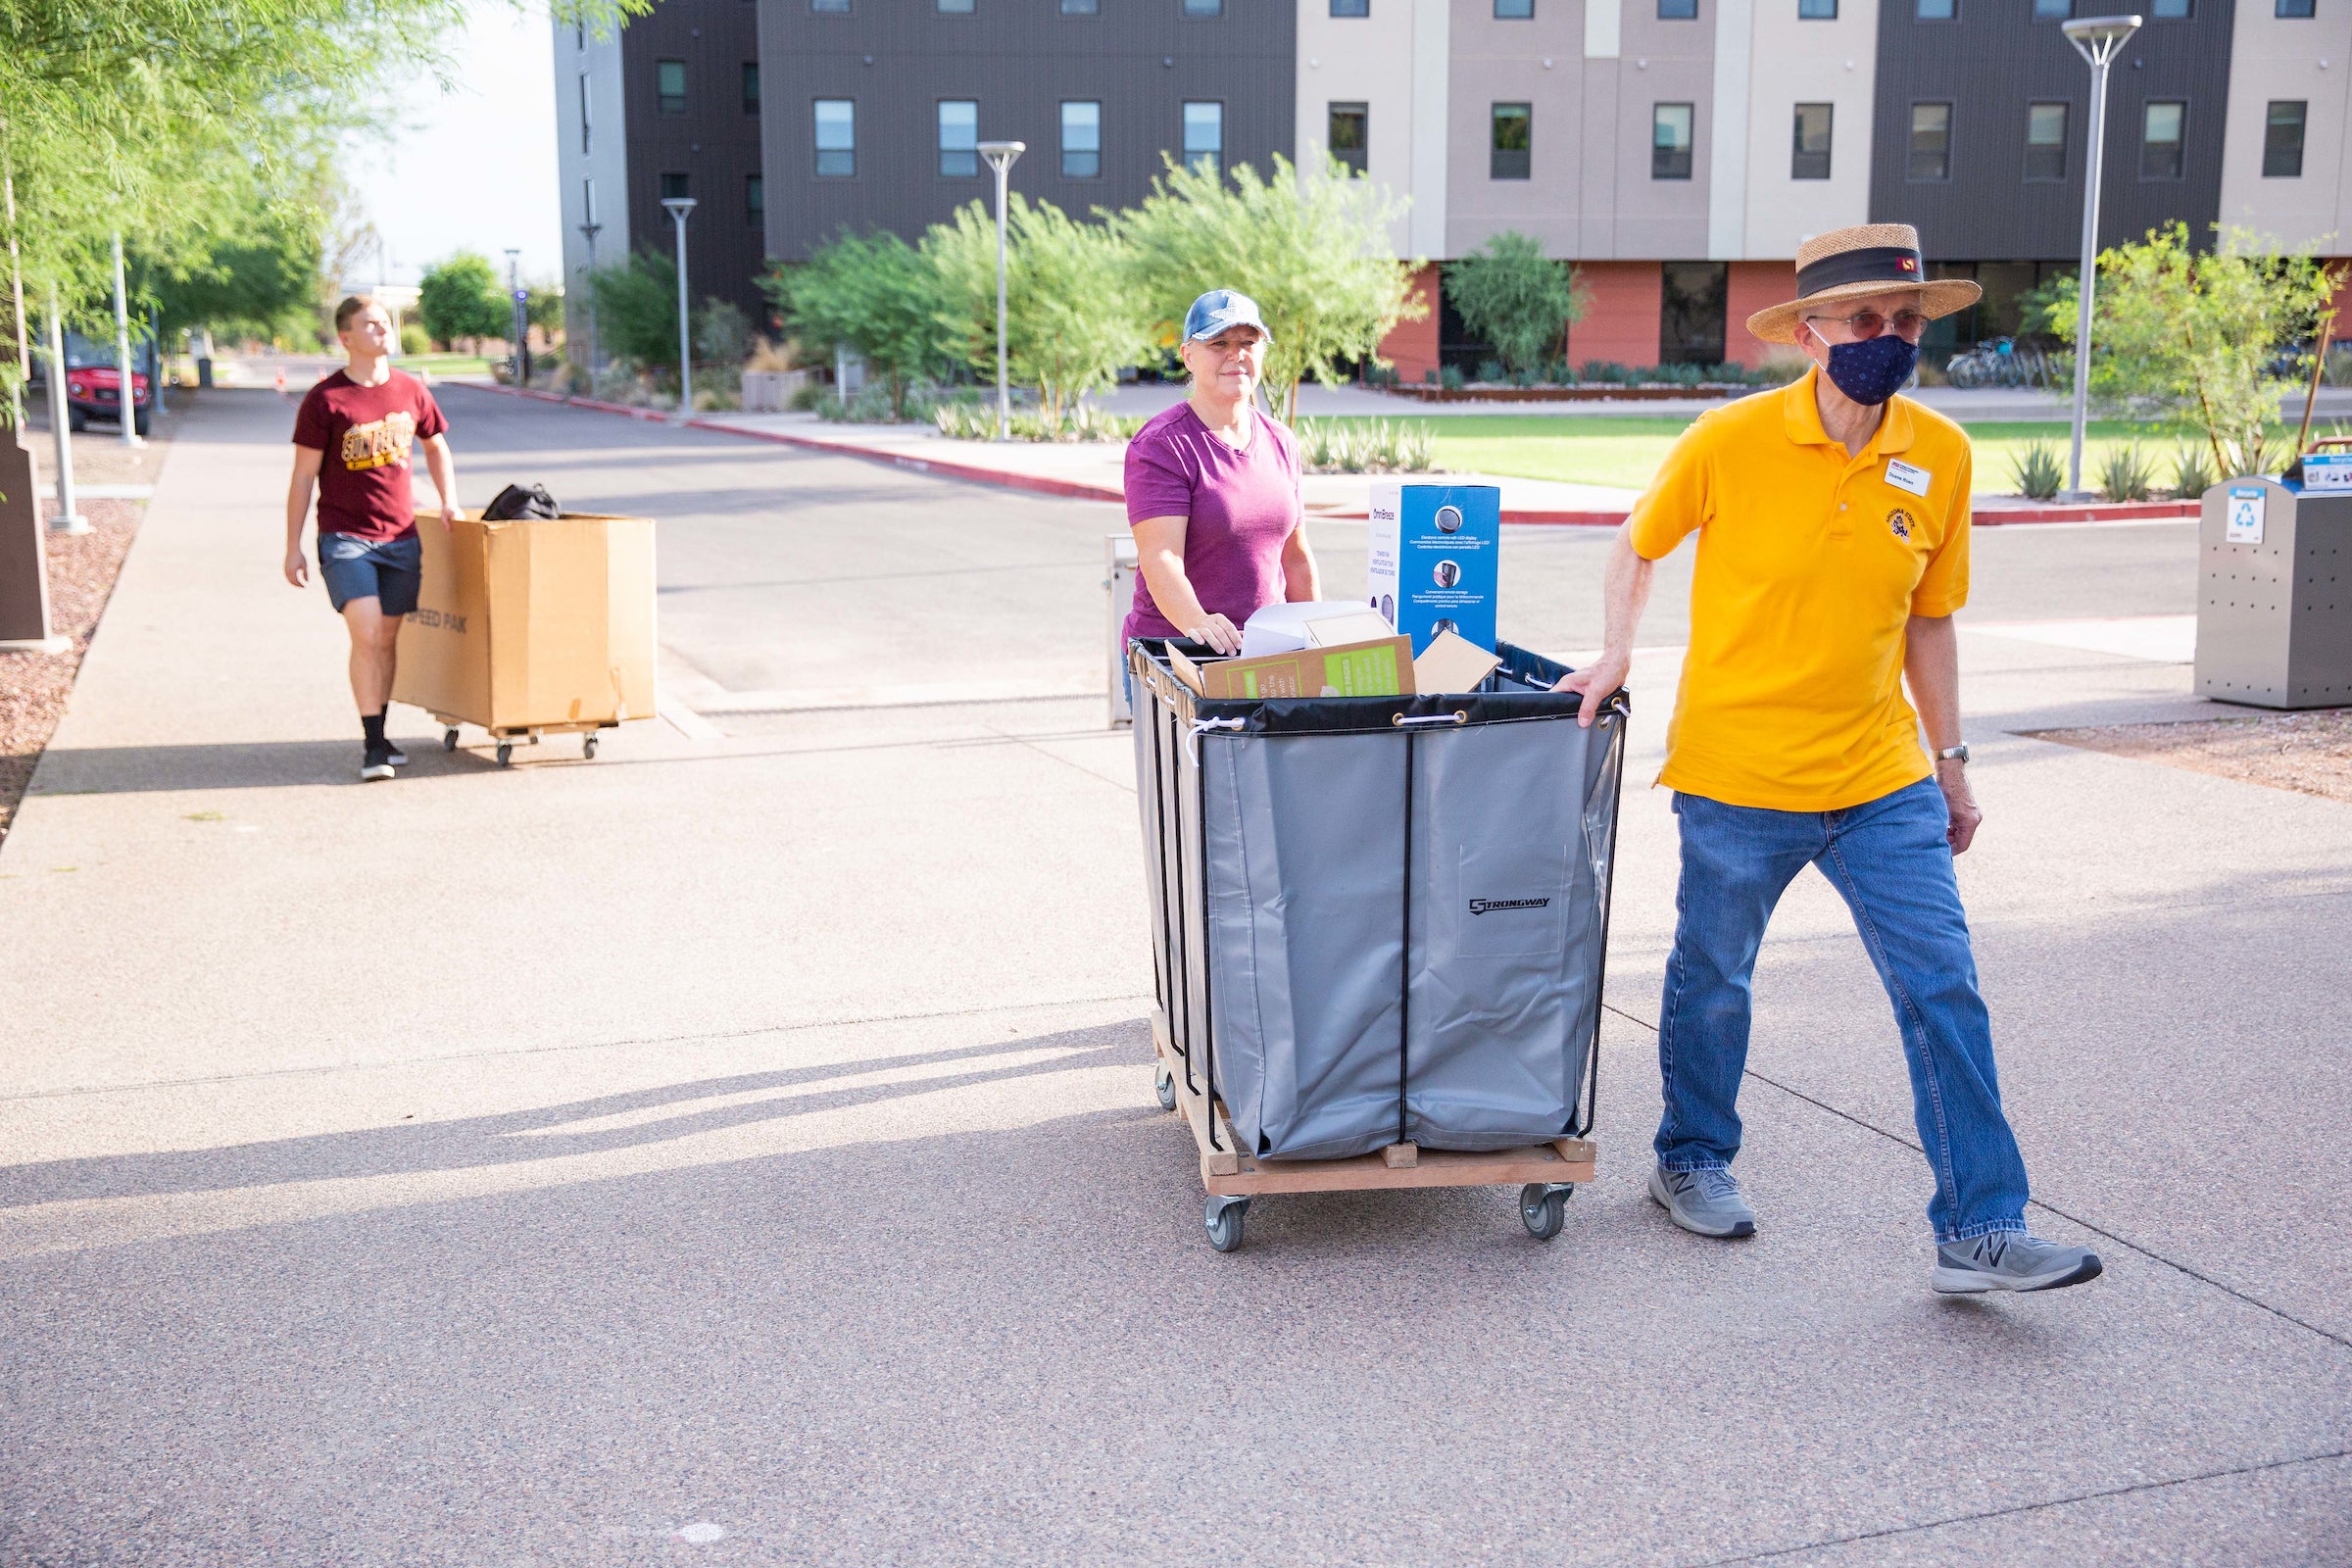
(1850, 263)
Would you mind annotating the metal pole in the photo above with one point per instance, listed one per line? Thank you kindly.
(679, 206)
(588, 232)
(514, 327)
(69, 518)
(2096, 40)
(126, 403)
(1001, 156)
(155, 356)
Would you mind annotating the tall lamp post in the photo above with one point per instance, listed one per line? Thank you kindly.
(516, 324)
(2096, 40)
(126, 402)
(1001, 156)
(678, 206)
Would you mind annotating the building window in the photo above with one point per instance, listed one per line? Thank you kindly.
(1678, 10)
(1082, 140)
(1692, 308)
(1204, 136)
(2170, 10)
(2160, 139)
(836, 138)
(751, 86)
(837, 8)
(1351, 8)
(1939, 10)
(2046, 143)
(585, 118)
(1817, 10)
(675, 185)
(1931, 143)
(1514, 10)
(2295, 8)
(1809, 151)
(1081, 8)
(669, 86)
(954, 7)
(2282, 140)
(1345, 135)
(958, 138)
(1509, 141)
(1670, 141)
(2053, 10)
(1203, 8)
(754, 201)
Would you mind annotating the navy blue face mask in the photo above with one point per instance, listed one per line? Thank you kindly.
(1872, 371)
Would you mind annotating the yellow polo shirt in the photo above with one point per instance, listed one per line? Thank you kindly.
(1810, 565)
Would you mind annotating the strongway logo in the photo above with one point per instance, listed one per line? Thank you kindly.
(1494, 906)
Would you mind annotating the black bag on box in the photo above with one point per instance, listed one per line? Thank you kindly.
(517, 502)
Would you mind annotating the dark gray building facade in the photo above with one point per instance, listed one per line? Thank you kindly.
(873, 107)
(1981, 130)
(690, 82)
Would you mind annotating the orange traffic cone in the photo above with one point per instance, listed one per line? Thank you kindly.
(281, 380)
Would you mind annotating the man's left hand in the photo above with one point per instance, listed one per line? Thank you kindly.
(1961, 803)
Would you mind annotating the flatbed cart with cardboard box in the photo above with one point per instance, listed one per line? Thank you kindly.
(1380, 927)
(532, 627)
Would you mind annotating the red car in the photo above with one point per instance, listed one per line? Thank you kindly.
(93, 385)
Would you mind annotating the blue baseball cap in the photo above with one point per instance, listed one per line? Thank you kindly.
(1216, 311)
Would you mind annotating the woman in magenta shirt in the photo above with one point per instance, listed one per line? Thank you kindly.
(1212, 491)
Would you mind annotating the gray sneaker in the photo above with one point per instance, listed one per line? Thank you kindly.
(2011, 1260)
(1707, 1202)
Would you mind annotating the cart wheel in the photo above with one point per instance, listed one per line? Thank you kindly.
(1165, 1084)
(506, 754)
(1224, 1219)
(449, 739)
(588, 749)
(1543, 1209)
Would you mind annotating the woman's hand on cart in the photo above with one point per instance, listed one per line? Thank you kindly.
(1219, 633)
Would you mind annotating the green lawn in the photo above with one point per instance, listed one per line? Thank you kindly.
(1625, 450)
(445, 364)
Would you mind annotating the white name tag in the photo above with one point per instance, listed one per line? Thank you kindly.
(1903, 476)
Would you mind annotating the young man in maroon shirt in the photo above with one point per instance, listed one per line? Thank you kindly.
(352, 439)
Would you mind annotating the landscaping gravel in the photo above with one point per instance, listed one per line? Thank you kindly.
(33, 687)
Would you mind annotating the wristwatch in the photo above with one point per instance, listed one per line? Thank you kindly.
(1954, 753)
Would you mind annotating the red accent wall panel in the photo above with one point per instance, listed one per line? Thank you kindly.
(1621, 312)
(1752, 286)
(1412, 346)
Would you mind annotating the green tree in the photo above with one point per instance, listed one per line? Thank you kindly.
(1312, 251)
(2179, 335)
(266, 285)
(873, 293)
(1072, 319)
(459, 298)
(636, 304)
(1510, 294)
(544, 311)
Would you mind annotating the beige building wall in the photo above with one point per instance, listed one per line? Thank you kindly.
(1760, 213)
(2306, 59)
(1373, 61)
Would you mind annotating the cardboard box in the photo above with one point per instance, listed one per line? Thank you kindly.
(1452, 665)
(1380, 669)
(532, 623)
(1431, 562)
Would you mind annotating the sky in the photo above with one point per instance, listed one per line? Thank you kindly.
(474, 167)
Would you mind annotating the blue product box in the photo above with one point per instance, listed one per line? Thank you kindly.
(1432, 559)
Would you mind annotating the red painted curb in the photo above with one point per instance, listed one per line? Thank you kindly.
(2085, 512)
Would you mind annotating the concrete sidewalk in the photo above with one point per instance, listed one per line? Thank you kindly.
(743, 1148)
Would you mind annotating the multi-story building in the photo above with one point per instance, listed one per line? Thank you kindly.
(1678, 151)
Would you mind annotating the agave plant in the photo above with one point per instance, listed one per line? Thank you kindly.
(2037, 471)
(2127, 474)
(2192, 471)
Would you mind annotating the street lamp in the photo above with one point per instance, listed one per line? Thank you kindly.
(1001, 156)
(516, 322)
(678, 206)
(588, 232)
(126, 403)
(2096, 40)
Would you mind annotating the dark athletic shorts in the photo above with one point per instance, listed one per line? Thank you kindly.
(387, 571)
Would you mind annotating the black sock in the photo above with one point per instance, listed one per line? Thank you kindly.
(374, 725)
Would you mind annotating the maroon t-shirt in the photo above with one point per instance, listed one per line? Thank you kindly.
(365, 433)
(1239, 510)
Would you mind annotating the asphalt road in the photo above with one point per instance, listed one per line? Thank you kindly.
(742, 1149)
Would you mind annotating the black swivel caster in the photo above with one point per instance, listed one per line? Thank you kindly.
(449, 739)
(588, 749)
(506, 754)
(1544, 1208)
(1165, 1086)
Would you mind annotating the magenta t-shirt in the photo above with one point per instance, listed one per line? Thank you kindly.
(1240, 508)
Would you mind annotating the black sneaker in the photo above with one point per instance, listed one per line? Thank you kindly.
(375, 764)
(394, 755)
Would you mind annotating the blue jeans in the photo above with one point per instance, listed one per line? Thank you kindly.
(1889, 860)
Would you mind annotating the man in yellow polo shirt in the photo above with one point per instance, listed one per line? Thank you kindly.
(1833, 522)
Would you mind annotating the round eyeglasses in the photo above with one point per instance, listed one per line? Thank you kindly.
(1867, 324)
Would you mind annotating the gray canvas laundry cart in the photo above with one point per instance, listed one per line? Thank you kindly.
(1379, 929)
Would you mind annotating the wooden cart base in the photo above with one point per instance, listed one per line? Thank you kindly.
(529, 734)
(1545, 1173)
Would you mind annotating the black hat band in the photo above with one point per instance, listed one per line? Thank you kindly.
(1880, 264)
